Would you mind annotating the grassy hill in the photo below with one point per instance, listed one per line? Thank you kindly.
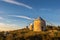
(26, 34)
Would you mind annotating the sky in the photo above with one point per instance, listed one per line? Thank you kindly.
(16, 14)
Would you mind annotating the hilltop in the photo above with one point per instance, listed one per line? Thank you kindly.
(36, 31)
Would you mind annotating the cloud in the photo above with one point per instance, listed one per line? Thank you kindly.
(1, 12)
(52, 10)
(8, 27)
(17, 3)
(44, 9)
(25, 17)
(57, 11)
(1, 18)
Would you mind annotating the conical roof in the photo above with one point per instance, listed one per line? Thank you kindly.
(39, 18)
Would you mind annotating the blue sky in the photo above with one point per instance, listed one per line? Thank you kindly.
(22, 12)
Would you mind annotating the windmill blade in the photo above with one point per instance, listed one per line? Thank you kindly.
(49, 23)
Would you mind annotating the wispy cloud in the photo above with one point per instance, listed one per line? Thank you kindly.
(1, 12)
(1, 18)
(25, 17)
(54, 11)
(8, 27)
(17, 3)
(57, 11)
(45, 9)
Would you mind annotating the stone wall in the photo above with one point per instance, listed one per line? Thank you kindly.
(37, 25)
(31, 26)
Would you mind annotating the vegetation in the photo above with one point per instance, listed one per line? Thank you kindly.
(51, 33)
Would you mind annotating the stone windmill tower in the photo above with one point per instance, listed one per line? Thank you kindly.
(39, 24)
